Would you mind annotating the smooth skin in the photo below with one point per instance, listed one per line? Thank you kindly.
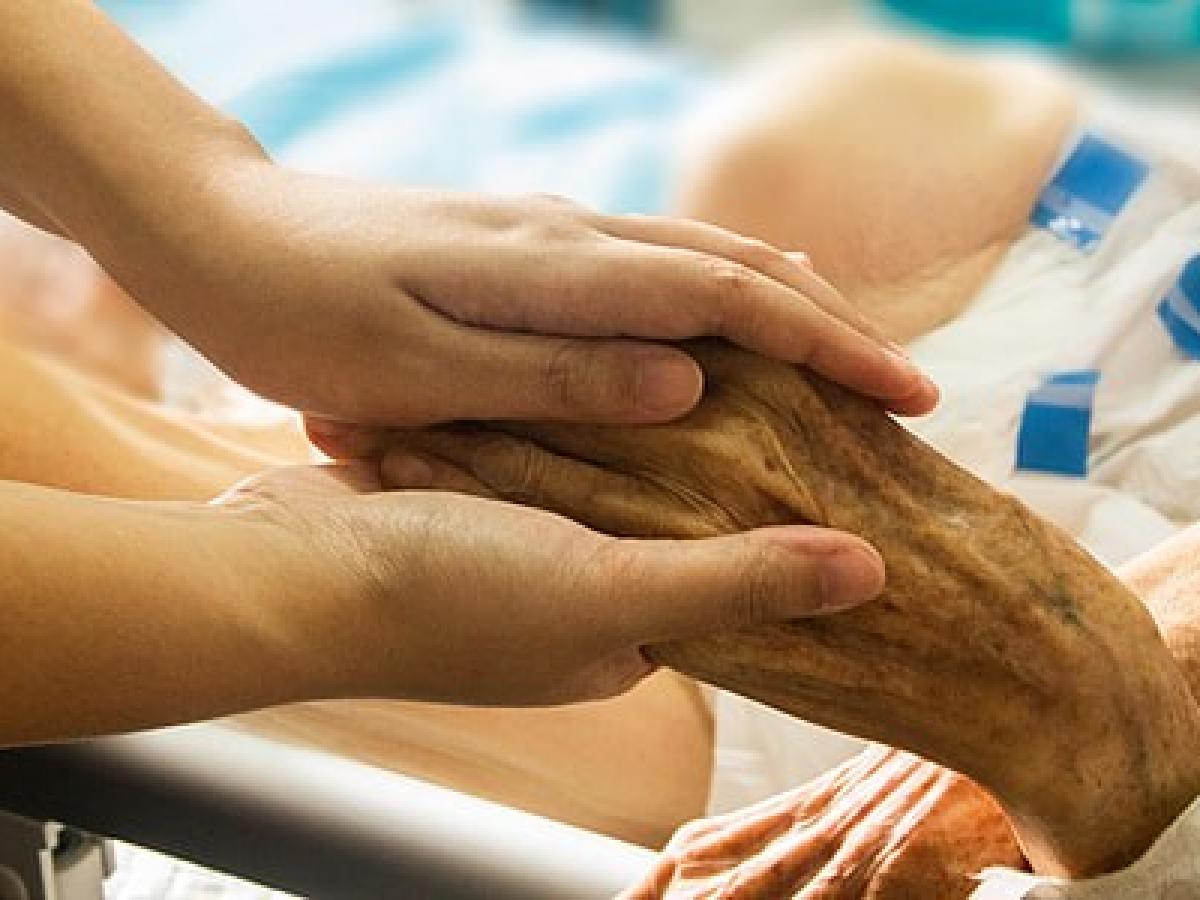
(374, 306)
(634, 767)
(352, 301)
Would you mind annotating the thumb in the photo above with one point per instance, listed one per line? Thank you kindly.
(697, 587)
(519, 376)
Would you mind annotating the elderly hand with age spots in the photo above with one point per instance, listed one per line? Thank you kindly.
(999, 648)
(886, 825)
(883, 826)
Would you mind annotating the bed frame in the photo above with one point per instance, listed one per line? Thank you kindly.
(294, 819)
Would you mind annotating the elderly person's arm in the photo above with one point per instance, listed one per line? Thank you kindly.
(889, 826)
(1168, 579)
(997, 639)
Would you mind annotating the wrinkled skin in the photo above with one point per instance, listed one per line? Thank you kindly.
(1000, 649)
(883, 826)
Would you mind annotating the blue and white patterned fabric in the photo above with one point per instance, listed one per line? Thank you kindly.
(455, 96)
(1072, 379)
(452, 94)
(1088, 192)
(1180, 310)
(1057, 424)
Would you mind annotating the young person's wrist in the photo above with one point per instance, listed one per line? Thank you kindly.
(254, 590)
(177, 610)
(306, 600)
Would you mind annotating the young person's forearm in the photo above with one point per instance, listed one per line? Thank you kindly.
(100, 142)
(119, 615)
(140, 451)
(62, 430)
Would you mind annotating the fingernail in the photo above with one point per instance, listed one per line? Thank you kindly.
(900, 356)
(849, 578)
(668, 384)
(409, 472)
(328, 427)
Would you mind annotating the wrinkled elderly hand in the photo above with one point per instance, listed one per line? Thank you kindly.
(999, 647)
(883, 826)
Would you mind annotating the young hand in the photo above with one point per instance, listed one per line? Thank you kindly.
(386, 306)
(434, 596)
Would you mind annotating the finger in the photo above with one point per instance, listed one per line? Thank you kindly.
(877, 778)
(343, 440)
(736, 842)
(786, 804)
(792, 269)
(685, 293)
(677, 588)
(516, 376)
(522, 472)
(883, 825)
(654, 884)
(666, 590)
(406, 470)
(831, 859)
(816, 832)
(829, 788)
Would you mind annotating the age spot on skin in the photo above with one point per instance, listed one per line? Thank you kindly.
(1063, 605)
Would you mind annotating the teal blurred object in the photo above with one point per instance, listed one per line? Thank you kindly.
(1141, 28)
(640, 15)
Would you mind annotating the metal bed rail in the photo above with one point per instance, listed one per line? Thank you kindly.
(307, 822)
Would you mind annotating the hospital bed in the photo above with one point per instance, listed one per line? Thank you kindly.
(593, 123)
(294, 819)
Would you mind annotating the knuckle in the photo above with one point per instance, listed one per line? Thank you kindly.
(760, 255)
(513, 469)
(581, 381)
(565, 377)
(729, 277)
(695, 831)
(554, 219)
(733, 289)
(525, 472)
(758, 590)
